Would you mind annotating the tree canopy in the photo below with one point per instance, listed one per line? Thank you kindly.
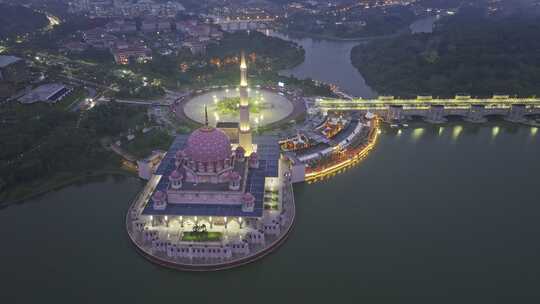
(470, 53)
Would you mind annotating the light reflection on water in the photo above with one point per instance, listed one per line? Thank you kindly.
(417, 133)
(456, 132)
(494, 132)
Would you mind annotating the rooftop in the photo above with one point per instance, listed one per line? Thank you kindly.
(268, 154)
(48, 92)
(8, 60)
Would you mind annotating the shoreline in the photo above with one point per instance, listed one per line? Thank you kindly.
(338, 39)
(62, 184)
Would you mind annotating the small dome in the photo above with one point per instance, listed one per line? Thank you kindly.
(248, 197)
(159, 196)
(208, 144)
(234, 176)
(176, 174)
(239, 152)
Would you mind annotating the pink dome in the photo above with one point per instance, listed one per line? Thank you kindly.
(234, 176)
(248, 197)
(176, 174)
(207, 145)
(159, 196)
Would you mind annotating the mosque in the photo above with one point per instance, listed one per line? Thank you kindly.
(207, 175)
(210, 180)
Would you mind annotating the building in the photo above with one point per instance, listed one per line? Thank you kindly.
(123, 52)
(195, 47)
(121, 27)
(49, 93)
(211, 205)
(154, 25)
(99, 38)
(206, 176)
(12, 69)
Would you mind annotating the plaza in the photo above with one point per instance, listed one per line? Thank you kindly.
(271, 106)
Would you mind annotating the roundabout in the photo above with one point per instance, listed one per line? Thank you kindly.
(267, 106)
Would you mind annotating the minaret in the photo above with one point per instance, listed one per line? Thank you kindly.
(245, 128)
(205, 116)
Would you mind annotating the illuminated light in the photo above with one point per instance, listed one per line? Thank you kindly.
(166, 218)
(441, 130)
(399, 132)
(456, 131)
(348, 163)
(495, 131)
(417, 133)
(534, 130)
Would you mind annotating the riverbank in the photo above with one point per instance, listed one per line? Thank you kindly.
(427, 185)
(57, 182)
(446, 61)
(303, 34)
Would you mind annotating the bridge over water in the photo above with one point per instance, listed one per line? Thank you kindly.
(436, 110)
(239, 24)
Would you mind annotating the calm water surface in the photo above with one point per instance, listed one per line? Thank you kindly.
(330, 62)
(433, 215)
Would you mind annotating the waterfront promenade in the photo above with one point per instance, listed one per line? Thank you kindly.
(348, 158)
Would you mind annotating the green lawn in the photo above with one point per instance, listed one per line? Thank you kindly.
(231, 105)
(202, 236)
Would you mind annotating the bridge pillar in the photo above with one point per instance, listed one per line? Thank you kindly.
(394, 114)
(476, 114)
(516, 113)
(436, 114)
